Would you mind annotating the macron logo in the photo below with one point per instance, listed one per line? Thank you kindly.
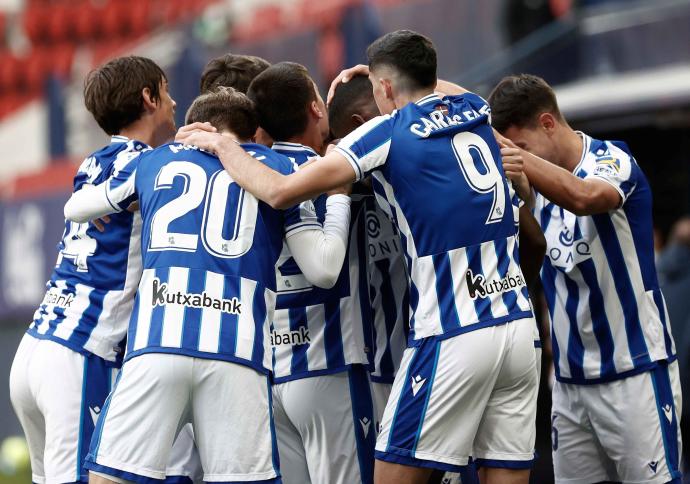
(95, 412)
(652, 465)
(365, 423)
(668, 411)
(417, 384)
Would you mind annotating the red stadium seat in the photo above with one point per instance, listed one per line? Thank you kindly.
(10, 71)
(59, 23)
(85, 22)
(34, 72)
(34, 20)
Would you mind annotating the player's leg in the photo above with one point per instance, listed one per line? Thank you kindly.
(184, 464)
(25, 405)
(335, 418)
(233, 423)
(293, 457)
(578, 457)
(436, 405)
(637, 421)
(504, 444)
(142, 417)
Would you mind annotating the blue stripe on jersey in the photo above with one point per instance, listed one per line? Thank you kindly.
(158, 312)
(390, 315)
(576, 350)
(503, 257)
(661, 307)
(524, 290)
(299, 362)
(616, 262)
(482, 306)
(445, 293)
(227, 340)
(600, 323)
(548, 283)
(191, 322)
(259, 311)
(333, 336)
(363, 292)
(93, 311)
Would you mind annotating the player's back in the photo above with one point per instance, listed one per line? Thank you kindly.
(209, 253)
(91, 290)
(437, 170)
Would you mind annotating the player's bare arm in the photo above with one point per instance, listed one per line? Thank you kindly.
(279, 191)
(581, 197)
(532, 245)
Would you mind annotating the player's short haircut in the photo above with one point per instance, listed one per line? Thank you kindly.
(519, 100)
(226, 109)
(352, 97)
(411, 55)
(232, 70)
(113, 92)
(282, 95)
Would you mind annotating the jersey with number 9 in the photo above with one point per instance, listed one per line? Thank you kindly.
(437, 169)
(209, 252)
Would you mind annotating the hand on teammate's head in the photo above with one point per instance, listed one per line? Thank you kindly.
(344, 76)
(187, 130)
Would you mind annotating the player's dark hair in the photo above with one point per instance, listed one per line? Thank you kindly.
(226, 109)
(232, 70)
(519, 100)
(282, 95)
(113, 92)
(353, 97)
(410, 54)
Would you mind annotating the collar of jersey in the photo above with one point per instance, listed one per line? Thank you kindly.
(586, 141)
(428, 98)
(285, 146)
(119, 139)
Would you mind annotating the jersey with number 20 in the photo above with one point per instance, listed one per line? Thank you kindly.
(209, 253)
(436, 168)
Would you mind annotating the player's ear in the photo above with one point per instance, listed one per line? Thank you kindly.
(358, 120)
(315, 110)
(149, 103)
(387, 88)
(547, 122)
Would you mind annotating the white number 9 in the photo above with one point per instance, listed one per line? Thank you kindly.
(464, 145)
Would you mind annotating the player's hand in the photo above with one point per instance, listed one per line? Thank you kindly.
(134, 206)
(514, 168)
(99, 223)
(345, 76)
(185, 131)
(206, 140)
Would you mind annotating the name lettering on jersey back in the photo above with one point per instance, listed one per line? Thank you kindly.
(439, 119)
(160, 297)
(478, 286)
(58, 299)
(297, 337)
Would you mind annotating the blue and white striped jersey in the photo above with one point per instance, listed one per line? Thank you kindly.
(319, 331)
(388, 293)
(91, 290)
(608, 315)
(209, 254)
(436, 167)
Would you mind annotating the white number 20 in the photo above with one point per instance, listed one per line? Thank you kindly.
(467, 143)
(196, 190)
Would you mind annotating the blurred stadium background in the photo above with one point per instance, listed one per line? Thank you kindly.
(621, 69)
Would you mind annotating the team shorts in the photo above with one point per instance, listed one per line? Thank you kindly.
(58, 395)
(184, 463)
(157, 394)
(626, 430)
(325, 428)
(473, 394)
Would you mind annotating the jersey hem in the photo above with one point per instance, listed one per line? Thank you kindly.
(395, 457)
(381, 379)
(198, 354)
(471, 327)
(618, 376)
(77, 349)
(312, 373)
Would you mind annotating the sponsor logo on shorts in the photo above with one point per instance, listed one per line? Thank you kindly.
(365, 423)
(297, 337)
(161, 296)
(668, 411)
(417, 384)
(653, 465)
(95, 412)
(478, 286)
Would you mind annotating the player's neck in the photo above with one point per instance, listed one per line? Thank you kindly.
(572, 149)
(402, 99)
(312, 140)
(146, 132)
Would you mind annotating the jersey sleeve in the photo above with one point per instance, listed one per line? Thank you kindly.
(120, 188)
(618, 170)
(367, 147)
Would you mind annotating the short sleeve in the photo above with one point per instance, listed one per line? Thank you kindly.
(367, 147)
(120, 187)
(617, 169)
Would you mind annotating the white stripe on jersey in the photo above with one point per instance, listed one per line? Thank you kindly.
(210, 320)
(173, 317)
(245, 323)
